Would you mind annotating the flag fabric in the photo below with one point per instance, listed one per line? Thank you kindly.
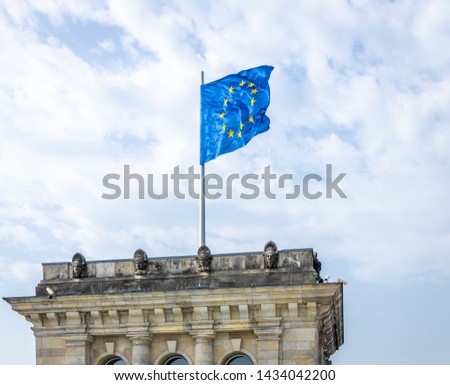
(233, 111)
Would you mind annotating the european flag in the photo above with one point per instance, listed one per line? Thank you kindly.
(233, 111)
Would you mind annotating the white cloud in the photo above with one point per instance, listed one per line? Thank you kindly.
(18, 271)
(354, 86)
(18, 235)
(107, 45)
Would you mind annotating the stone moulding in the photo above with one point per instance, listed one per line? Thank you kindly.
(273, 316)
(293, 267)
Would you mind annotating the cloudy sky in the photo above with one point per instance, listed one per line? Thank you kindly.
(87, 87)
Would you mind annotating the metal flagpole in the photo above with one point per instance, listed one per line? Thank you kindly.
(202, 194)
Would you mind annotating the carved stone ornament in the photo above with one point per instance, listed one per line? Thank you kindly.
(79, 266)
(317, 266)
(140, 262)
(203, 259)
(270, 255)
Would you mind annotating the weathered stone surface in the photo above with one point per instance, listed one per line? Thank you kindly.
(181, 273)
(276, 315)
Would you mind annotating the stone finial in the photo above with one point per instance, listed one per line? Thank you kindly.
(79, 266)
(140, 262)
(317, 266)
(270, 255)
(203, 259)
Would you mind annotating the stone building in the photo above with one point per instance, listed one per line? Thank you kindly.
(269, 307)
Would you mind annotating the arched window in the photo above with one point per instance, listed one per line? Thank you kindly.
(239, 359)
(176, 360)
(115, 361)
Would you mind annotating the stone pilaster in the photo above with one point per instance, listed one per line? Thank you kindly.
(300, 344)
(140, 337)
(78, 349)
(203, 334)
(268, 332)
(140, 348)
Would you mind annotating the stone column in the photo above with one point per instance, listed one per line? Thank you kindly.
(268, 332)
(78, 349)
(268, 345)
(78, 341)
(203, 334)
(204, 354)
(140, 348)
(140, 337)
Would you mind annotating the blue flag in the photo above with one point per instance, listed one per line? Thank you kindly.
(233, 111)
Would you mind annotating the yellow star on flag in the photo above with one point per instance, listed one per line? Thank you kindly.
(230, 133)
(242, 83)
(225, 102)
(241, 126)
(224, 127)
(222, 115)
(231, 89)
(239, 134)
(254, 91)
(250, 85)
(253, 101)
(250, 119)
